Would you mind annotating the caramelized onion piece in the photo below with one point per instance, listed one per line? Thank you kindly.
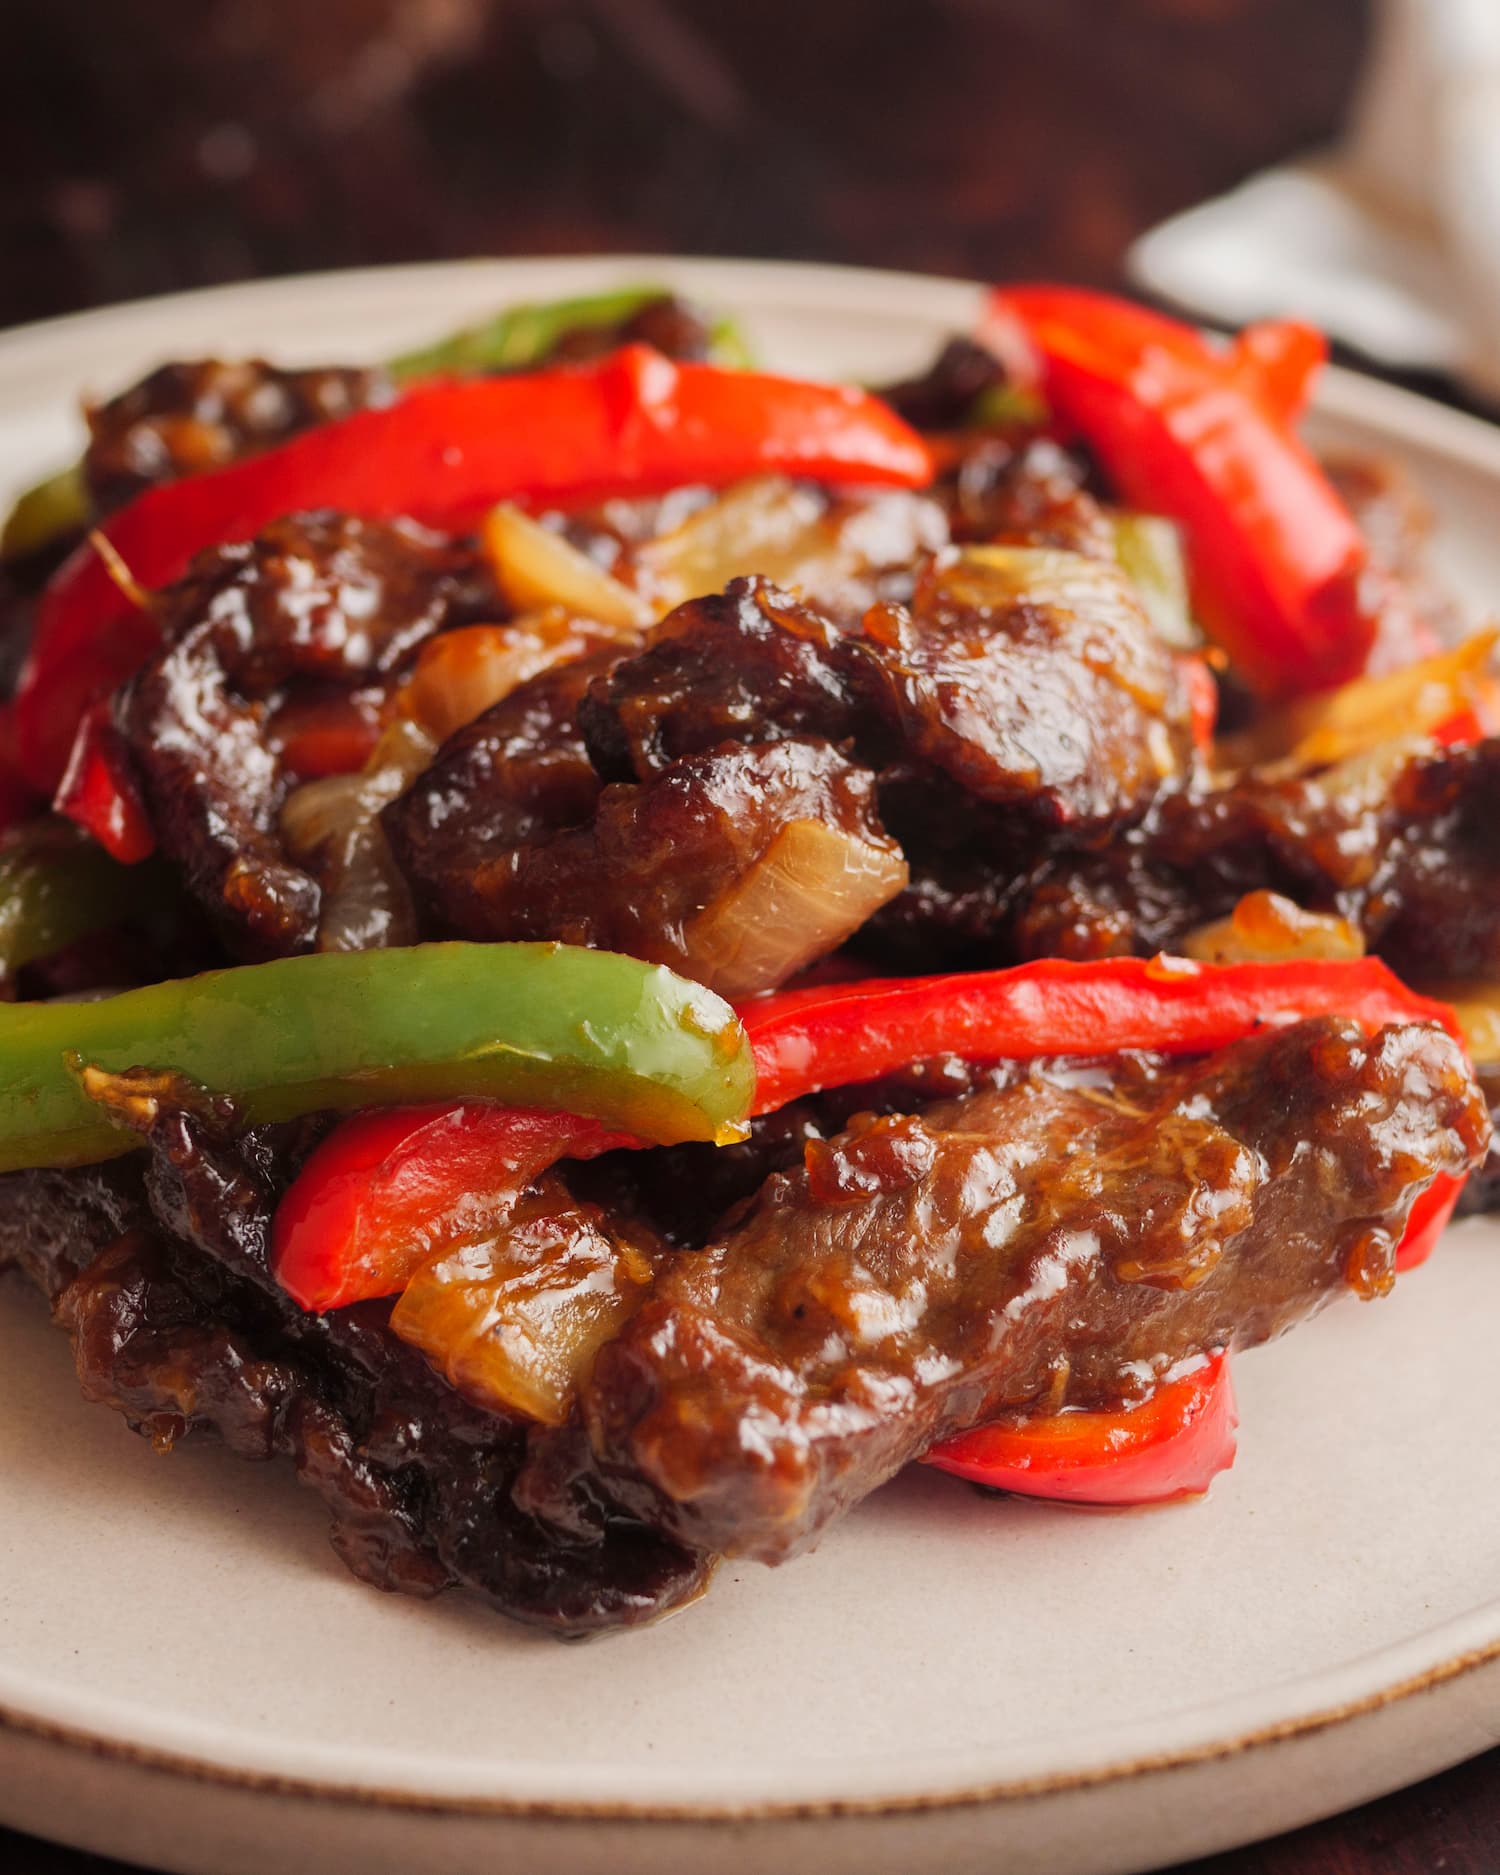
(1477, 1006)
(332, 827)
(794, 535)
(534, 567)
(1264, 927)
(514, 1322)
(460, 674)
(1149, 548)
(811, 889)
(1357, 716)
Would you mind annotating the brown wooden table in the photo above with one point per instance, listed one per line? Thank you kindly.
(172, 143)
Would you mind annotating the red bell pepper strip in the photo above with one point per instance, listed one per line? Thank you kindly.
(1203, 699)
(389, 1189)
(837, 1033)
(18, 801)
(1279, 359)
(1188, 431)
(633, 422)
(1172, 1445)
(99, 792)
(320, 736)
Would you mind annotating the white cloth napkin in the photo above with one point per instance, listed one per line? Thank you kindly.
(1391, 241)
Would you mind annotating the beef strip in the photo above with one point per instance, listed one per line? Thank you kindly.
(157, 1268)
(1013, 715)
(317, 605)
(198, 414)
(750, 664)
(498, 788)
(1066, 1237)
(1404, 847)
(1028, 491)
(1063, 1232)
(944, 396)
(1068, 712)
(654, 857)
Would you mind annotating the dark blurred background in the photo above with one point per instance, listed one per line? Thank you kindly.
(147, 145)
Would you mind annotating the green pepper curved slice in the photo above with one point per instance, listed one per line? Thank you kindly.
(546, 1025)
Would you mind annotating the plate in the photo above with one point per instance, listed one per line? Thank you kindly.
(189, 1678)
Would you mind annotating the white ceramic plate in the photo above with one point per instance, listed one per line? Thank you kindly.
(188, 1677)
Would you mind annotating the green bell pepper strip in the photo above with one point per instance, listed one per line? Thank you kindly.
(523, 337)
(543, 1025)
(57, 886)
(46, 514)
(514, 340)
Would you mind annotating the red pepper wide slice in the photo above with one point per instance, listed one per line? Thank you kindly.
(99, 792)
(1174, 1444)
(388, 1189)
(837, 1033)
(1279, 359)
(635, 421)
(1204, 435)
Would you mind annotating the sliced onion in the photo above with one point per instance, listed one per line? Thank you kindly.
(1357, 716)
(1264, 927)
(792, 534)
(535, 567)
(514, 1323)
(1477, 1006)
(1149, 548)
(333, 827)
(812, 888)
(461, 673)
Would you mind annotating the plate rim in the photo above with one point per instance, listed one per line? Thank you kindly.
(1347, 395)
(99, 1745)
(1342, 391)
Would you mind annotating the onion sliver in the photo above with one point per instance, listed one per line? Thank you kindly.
(812, 888)
(1264, 927)
(535, 567)
(514, 1322)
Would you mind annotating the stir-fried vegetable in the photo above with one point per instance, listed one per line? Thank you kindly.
(812, 888)
(49, 512)
(514, 1321)
(1266, 928)
(1192, 432)
(1173, 1444)
(837, 1033)
(535, 567)
(1149, 547)
(791, 534)
(1453, 696)
(517, 339)
(459, 674)
(98, 791)
(55, 888)
(1476, 1007)
(543, 1024)
(522, 337)
(635, 422)
(334, 824)
(388, 1190)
